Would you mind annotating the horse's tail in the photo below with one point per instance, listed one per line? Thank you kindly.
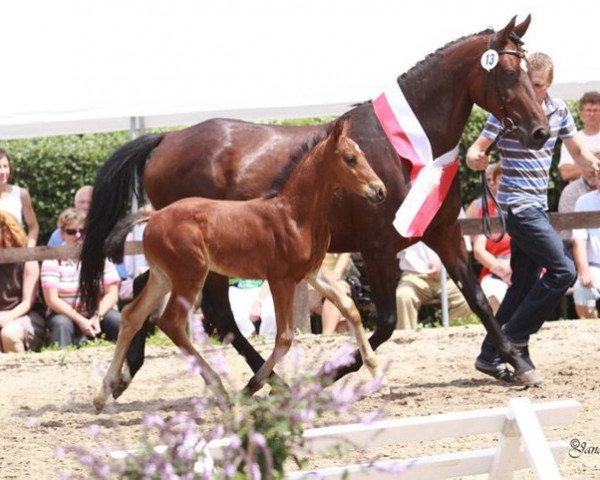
(114, 186)
(114, 245)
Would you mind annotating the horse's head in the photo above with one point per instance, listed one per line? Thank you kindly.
(349, 165)
(500, 85)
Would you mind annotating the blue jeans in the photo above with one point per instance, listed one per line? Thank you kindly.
(531, 299)
(64, 332)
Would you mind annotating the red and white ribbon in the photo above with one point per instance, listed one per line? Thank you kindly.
(430, 178)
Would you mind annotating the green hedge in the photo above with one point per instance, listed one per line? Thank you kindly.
(53, 168)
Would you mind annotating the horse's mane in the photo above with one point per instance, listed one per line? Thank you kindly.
(293, 161)
(417, 69)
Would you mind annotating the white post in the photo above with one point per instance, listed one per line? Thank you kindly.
(301, 310)
(533, 440)
(444, 295)
(134, 201)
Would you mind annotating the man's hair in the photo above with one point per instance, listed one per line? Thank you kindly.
(589, 97)
(540, 62)
(12, 233)
(86, 189)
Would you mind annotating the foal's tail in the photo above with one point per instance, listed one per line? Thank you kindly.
(115, 243)
(114, 186)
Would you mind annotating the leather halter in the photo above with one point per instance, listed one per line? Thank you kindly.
(507, 122)
(507, 126)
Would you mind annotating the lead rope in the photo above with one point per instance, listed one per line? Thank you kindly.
(486, 194)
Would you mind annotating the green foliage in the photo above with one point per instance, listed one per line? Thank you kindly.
(53, 168)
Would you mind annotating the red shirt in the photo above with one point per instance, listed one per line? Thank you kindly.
(500, 249)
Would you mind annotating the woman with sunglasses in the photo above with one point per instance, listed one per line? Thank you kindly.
(21, 326)
(69, 322)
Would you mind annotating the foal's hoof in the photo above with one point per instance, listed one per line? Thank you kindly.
(530, 378)
(99, 403)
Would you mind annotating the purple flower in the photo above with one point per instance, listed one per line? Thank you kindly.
(31, 422)
(153, 420)
(92, 430)
(342, 358)
(307, 414)
(259, 439)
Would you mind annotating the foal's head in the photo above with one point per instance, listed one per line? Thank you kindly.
(348, 166)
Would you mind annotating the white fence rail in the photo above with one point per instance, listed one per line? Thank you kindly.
(521, 444)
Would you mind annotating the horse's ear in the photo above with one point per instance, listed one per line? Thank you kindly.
(340, 128)
(502, 35)
(522, 27)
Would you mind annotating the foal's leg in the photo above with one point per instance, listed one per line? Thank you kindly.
(132, 319)
(173, 321)
(283, 299)
(346, 305)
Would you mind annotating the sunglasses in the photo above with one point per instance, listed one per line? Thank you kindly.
(73, 231)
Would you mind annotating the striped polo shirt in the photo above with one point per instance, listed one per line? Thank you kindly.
(63, 275)
(525, 172)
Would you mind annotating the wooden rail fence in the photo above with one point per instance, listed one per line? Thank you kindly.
(470, 226)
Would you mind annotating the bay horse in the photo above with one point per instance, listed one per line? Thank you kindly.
(281, 237)
(236, 160)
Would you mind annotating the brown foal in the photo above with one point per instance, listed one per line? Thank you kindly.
(281, 237)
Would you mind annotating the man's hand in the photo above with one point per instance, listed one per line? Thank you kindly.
(4, 321)
(255, 311)
(596, 166)
(477, 161)
(502, 270)
(586, 279)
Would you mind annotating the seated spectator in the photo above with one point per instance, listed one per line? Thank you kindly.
(16, 200)
(21, 326)
(494, 257)
(69, 322)
(252, 307)
(337, 266)
(589, 111)
(586, 253)
(568, 197)
(420, 283)
(81, 201)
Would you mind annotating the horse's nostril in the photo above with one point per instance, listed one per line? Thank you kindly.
(380, 193)
(540, 134)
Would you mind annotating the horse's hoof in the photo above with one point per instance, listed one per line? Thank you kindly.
(529, 378)
(99, 403)
(124, 381)
(252, 387)
(119, 389)
(373, 366)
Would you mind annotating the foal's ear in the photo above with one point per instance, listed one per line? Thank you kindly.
(340, 128)
(502, 35)
(522, 27)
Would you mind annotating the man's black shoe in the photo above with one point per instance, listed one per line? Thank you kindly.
(498, 370)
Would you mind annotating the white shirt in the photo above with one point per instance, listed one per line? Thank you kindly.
(419, 258)
(12, 203)
(589, 202)
(591, 142)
